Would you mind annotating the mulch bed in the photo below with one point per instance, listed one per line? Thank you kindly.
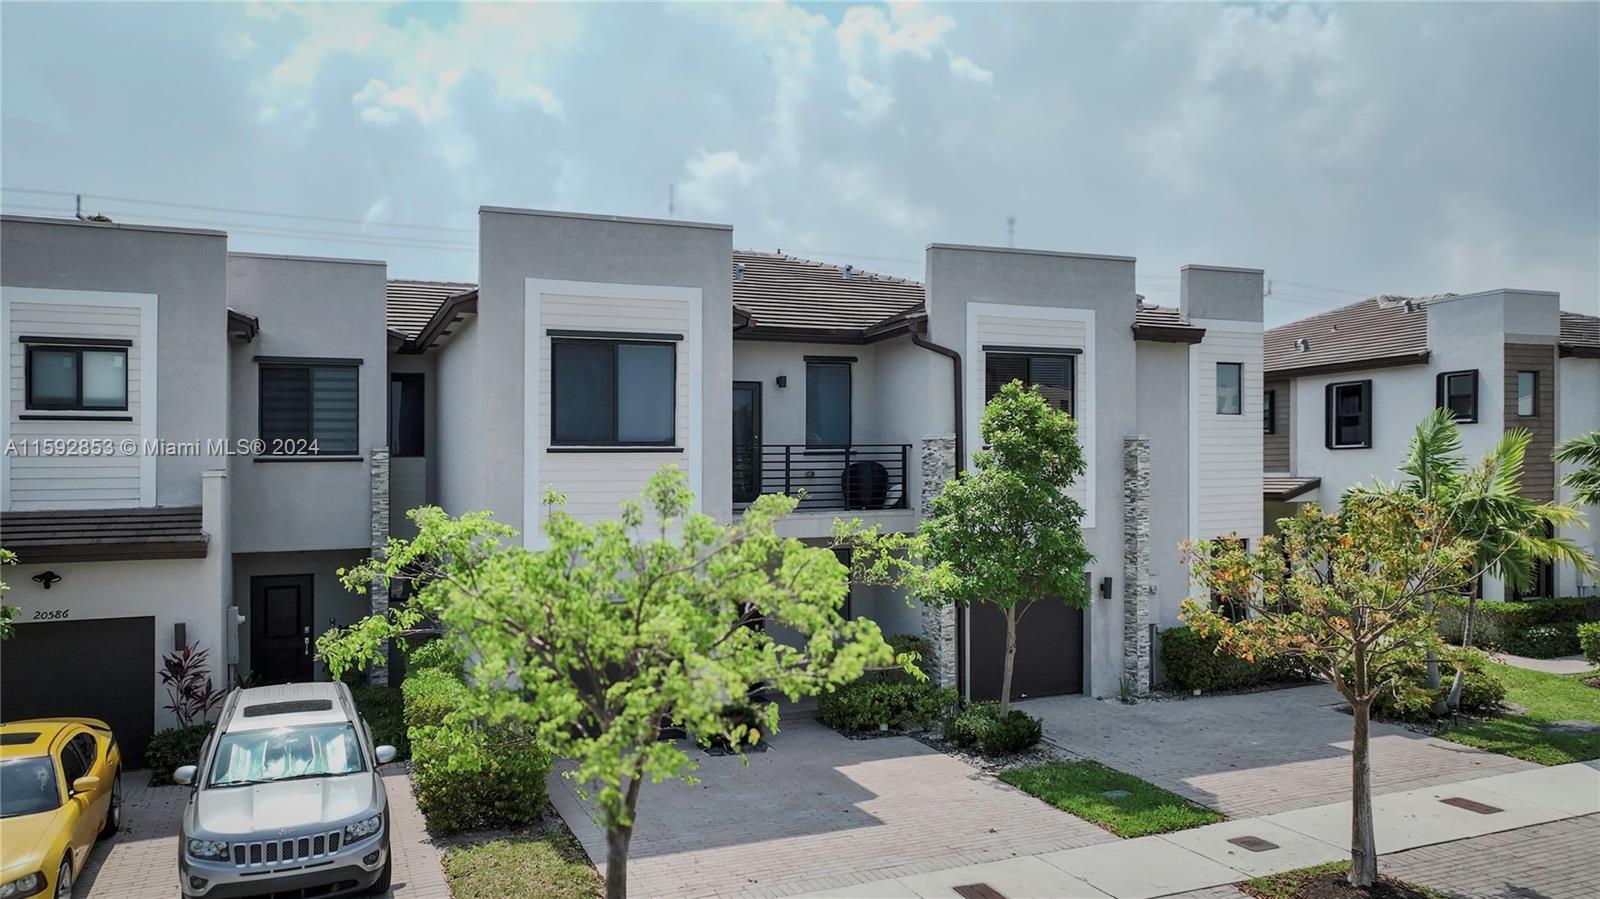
(1328, 882)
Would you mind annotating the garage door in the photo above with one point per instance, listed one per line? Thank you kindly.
(1049, 651)
(99, 668)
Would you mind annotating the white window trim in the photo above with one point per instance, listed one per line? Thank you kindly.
(149, 356)
(1083, 388)
(533, 441)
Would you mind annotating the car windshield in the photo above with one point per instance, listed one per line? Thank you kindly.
(27, 787)
(286, 753)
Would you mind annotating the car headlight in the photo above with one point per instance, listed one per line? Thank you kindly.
(212, 849)
(27, 885)
(363, 829)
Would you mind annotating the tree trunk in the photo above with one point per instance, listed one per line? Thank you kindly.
(617, 839)
(1011, 659)
(1453, 701)
(1363, 846)
(1439, 708)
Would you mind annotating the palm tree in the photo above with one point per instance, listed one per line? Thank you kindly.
(1510, 532)
(1584, 452)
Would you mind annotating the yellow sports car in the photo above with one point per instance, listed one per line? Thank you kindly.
(60, 789)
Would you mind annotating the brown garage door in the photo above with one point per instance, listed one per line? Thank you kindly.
(94, 668)
(1049, 651)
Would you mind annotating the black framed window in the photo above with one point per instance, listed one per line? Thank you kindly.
(310, 409)
(1349, 415)
(1230, 388)
(828, 413)
(1053, 375)
(406, 391)
(1458, 392)
(77, 378)
(1269, 412)
(613, 393)
(1527, 393)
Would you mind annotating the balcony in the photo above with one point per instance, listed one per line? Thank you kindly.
(858, 477)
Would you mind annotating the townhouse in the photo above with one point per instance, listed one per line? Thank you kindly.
(1345, 389)
(283, 412)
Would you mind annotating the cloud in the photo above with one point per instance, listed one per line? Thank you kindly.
(964, 68)
(709, 177)
(864, 189)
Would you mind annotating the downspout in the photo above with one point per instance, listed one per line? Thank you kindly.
(919, 328)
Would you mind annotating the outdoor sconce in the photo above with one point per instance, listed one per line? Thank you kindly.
(46, 578)
(1105, 587)
(783, 380)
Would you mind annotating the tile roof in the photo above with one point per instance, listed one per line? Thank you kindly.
(1284, 489)
(89, 535)
(412, 303)
(787, 292)
(1152, 322)
(1379, 330)
(1580, 333)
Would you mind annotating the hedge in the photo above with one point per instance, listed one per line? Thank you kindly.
(980, 726)
(1544, 641)
(1193, 663)
(173, 748)
(865, 705)
(1497, 621)
(1589, 639)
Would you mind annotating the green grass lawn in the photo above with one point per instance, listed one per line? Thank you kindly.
(1080, 787)
(547, 863)
(1547, 698)
(1297, 884)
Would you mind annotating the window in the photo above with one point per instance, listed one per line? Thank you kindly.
(613, 393)
(285, 753)
(77, 378)
(1349, 415)
(827, 403)
(1458, 392)
(1269, 412)
(405, 414)
(1527, 393)
(1230, 388)
(1052, 375)
(309, 409)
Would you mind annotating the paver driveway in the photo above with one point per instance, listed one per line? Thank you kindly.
(1255, 754)
(141, 862)
(819, 811)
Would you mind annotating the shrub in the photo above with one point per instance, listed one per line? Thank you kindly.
(1589, 640)
(383, 707)
(1496, 621)
(1410, 698)
(1544, 641)
(465, 776)
(864, 705)
(1193, 663)
(434, 653)
(430, 695)
(173, 748)
(981, 726)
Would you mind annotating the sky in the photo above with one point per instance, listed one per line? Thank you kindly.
(1347, 149)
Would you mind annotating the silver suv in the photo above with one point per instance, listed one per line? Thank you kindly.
(286, 798)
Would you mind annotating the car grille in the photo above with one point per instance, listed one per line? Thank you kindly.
(283, 852)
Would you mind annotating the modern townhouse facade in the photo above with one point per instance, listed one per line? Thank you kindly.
(1345, 389)
(590, 351)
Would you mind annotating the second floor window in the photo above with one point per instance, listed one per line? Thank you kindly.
(406, 414)
(827, 403)
(1269, 412)
(1230, 388)
(613, 393)
(1527, 393)
(77, 378)
(1349, 415)
(1458, 392)
(1052, 375)
(306, 405)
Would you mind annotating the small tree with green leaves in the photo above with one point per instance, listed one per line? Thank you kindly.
(7, 613)
(1006, 532)
(1583, 453)
(588, 646)
(1345, 593)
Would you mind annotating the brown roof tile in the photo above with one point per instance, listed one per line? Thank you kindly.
(412, 303)
(89, 535)
(1580, 334)
(1376, 331)
(787, 292)
(1284, 489)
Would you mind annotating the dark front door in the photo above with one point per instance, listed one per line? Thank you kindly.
(280, 628)
(746, 441)
(1049, 651)
(91, 668)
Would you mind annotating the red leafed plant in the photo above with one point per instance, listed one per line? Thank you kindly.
(186, 673)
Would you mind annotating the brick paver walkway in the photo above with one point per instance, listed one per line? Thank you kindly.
(141, 862)
(819, 811)
(1254, 754)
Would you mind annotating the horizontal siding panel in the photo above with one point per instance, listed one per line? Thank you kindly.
(1228, 447)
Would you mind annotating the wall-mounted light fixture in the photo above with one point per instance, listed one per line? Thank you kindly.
(46, 578)
(1105, 587)
(783, 380)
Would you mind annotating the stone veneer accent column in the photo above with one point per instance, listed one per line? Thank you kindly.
(1136, 563)
(939, 622)
(378, 673)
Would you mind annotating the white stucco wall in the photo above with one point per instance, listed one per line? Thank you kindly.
(1578, 413)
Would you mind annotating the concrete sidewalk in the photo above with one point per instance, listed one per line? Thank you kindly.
(1576, 664)
(1203, 858)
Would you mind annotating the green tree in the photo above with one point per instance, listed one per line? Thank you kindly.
(1345, 593)
(7, 613)
(590, 645)
(1582, 451)
(1006, 532)
(1483, 504)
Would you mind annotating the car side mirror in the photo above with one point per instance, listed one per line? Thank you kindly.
(385, 754)
(185, 775)
(86, 784)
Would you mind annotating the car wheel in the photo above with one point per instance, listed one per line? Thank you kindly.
(64, 880)
(114, 813)
(381, 885)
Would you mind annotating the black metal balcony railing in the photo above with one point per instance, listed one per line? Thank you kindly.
(832, 478)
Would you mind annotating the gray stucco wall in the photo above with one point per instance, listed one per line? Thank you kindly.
(1163, 395)
(514, 245)
(187, 271)
(319, 309)
(1216, 291)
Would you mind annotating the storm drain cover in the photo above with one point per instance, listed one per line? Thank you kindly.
(1471, 805)
(1254, 844)
(1116, 794)
(979, 891)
